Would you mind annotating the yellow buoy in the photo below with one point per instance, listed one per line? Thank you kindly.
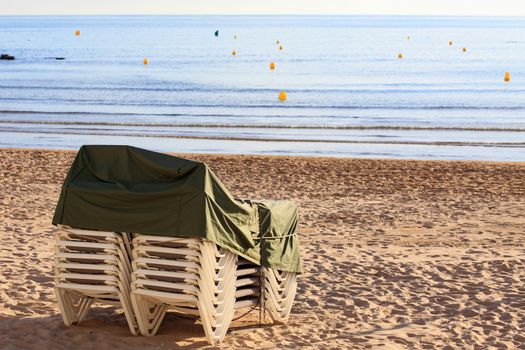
(280, 47)
(77, 32)
(464, 49)
(507, 76)
(450, 43)
(145, 61)
(282, 96)
(272, 66)
(234, 53)
(400, 56)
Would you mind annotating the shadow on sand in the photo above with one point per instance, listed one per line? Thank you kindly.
(104, 328)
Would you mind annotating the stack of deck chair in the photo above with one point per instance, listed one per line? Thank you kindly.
(92, 266)
(188, 275)
(195, 249)
(276, 295)
(196, 277)
(279, 293)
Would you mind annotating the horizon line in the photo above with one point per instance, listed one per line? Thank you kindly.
(254, 15)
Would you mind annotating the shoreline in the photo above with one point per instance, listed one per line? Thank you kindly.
(321, 157)
(277, 140)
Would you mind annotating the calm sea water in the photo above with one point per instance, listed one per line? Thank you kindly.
(348, 93)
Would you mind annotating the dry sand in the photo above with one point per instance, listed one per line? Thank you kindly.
(397, 255)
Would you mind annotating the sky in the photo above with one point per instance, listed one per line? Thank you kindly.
(351, 7)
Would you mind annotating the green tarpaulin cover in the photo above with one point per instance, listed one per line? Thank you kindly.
(128, 189)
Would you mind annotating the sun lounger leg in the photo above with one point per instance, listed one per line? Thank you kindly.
(73, 308)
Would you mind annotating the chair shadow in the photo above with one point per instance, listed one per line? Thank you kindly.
(102, 328)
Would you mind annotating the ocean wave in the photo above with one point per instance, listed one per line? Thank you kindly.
(288, 105)
(408, 89)
(266, 139)
(264, 126)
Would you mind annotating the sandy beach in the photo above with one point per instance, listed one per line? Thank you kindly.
(397, 255)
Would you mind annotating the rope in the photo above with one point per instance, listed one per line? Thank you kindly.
(247, 312)
(262, 301)
(266, 238)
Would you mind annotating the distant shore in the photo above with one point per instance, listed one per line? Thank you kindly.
(397, 254)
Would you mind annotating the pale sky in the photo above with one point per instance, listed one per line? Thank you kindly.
(352, 7)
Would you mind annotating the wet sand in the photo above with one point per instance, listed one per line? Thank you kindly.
(397, 255)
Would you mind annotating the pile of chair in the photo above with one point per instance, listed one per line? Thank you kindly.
(92, 266)
(154, 274)
(190, 276)
(279, 293)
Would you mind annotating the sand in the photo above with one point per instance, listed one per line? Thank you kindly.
(397, 255)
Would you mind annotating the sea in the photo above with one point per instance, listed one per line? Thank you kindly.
(348, 92)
